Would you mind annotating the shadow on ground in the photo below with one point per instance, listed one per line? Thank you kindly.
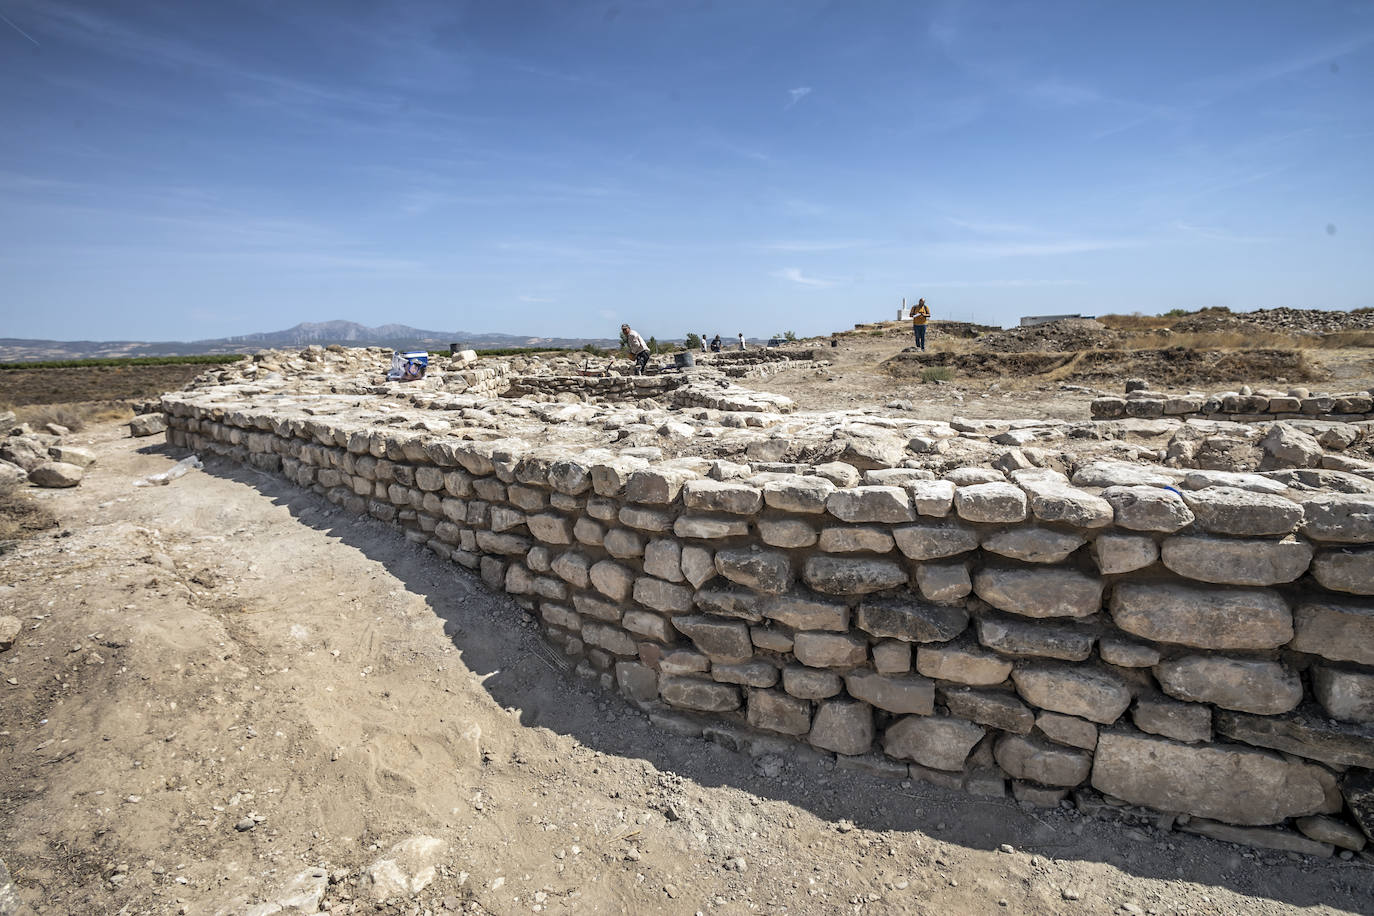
(500, 642)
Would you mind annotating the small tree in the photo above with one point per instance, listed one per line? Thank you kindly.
(693, 341)
(653, 344)
(624, 339)
(789, 335)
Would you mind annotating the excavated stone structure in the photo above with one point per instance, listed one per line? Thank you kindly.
(1192, 641)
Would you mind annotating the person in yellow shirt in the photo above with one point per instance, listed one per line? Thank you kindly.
(920, 314)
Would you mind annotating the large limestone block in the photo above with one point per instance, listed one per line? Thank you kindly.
(810, 683)
(798, 494)
(1344, 694)
(871, 504)
(932, 498)
(1247, 685)
(646, 519)
(935, 540)
(1144, 508)
(1201, 480)
(804, 612)
(910, 620)
(608, 637)
(998, 502)
(649, 625)
(730, 602)
(590, 606)
(1235, 561)
(1069, 730)
(1341, 518)
(663, 559)
(1357, 787)
(570, 476)
(722, 496)
(1345, 570)
(1042, 762)
(787, 532)
(697, 693)
(663, 596)
(1305, 732)
(622, 543)
(609, 475)
(613, 580)
(84, 458)
(777, 712)
(963, 664)
(1123, 474)
(1034, 639)
(856, 539)
(709, 527)
(656, 485)
(843, 726)
(1033, 545)
(724, 641)
(1123, 553)
(698, 565)
(1052, 499)
(993, 708)
(1231, 510)
(56, 474)
(852, 576)
(941, 743)
(1292, 448)
(1230, 784)
(1186, 722)
(901, 695)
(1039, 592)
(1206, 618)
(147, 424)
(756, 673)
(1084, 692)
(829, 650)
(765, 570)
(549, 528)
(1342, 632)
(943, 582)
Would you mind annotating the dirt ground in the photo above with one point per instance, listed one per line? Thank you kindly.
(90, 383)
(877, 367)
(227, 681)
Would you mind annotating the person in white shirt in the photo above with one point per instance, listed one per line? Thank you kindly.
(741, 340)
(638, 348)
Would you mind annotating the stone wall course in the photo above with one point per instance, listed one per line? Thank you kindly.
(789, 597)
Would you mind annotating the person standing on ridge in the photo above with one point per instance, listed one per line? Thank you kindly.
(637, 347)
(920, 314)
(741, 340)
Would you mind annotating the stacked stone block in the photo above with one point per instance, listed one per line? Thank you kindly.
(1206, 652)
(1252, 408)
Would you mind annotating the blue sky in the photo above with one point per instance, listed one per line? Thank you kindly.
(187, 170)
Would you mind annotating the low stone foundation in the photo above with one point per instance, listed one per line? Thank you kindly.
(1201, 648)
(1242, 408)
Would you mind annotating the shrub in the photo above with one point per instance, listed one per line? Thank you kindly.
(693, 342)
(936, 374)
(789, 335)
(1176, 313)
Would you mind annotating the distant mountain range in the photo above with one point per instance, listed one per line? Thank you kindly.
(324, 333)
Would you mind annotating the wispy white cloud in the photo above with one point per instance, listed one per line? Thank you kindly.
(996, 284)
(796, 95)
(795, 275)
(985, 227)
(1027, 249)
(809, 245)
(1217, 234)
(536, 299)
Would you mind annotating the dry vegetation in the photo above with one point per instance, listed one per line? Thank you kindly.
(92, 383)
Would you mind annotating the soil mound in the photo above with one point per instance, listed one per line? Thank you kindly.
(1173, 366)
(1065, 336)
(1296, 321)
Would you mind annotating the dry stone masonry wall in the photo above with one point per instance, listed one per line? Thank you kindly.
(1244, 406)
(1196, 642)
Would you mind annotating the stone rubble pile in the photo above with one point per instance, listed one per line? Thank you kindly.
(1301, 321)
(39, 457)
(1194, 639)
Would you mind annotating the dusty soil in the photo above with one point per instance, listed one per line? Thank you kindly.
(229, 648)
(92, 383)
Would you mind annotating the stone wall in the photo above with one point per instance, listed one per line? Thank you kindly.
(1205, 652)
(1240, 407)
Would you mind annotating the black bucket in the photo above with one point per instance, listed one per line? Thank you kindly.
(684, 359)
